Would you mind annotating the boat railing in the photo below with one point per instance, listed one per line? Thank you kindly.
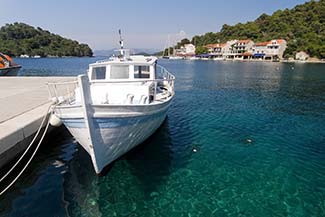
(163, 74)
(62, 92)
(163, 78)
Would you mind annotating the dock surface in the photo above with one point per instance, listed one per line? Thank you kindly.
(23, 104)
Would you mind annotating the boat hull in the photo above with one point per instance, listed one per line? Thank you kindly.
(113, 135)
(9, 71)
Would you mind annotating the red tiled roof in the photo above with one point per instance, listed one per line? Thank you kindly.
(260, 44)
(244, 41)
(215, 45)
(280, 41)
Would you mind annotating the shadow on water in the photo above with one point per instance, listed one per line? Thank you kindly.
(151, 161)
(132, 177)
(80, 185)
(41, 179)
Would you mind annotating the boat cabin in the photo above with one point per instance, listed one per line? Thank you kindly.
(137, 68)
(123, 80)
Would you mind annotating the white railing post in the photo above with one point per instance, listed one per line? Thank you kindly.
(155, 93)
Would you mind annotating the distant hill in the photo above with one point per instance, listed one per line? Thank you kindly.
(137, 51)
(303, 27)
(19, 38)
(106, 53)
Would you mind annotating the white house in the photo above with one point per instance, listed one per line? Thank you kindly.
(243, 46)
(302, 56)
(228, 49)
(189, 49)
(271, 50)
(215, 50)
(186, 50)
(221, 50)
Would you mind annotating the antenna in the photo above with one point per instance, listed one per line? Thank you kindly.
(121, 42)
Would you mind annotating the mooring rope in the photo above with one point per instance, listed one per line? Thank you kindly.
(38, 145)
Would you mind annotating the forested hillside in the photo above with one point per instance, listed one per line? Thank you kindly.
(19, 38)
(303, 27)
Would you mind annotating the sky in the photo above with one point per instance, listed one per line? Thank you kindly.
(144, 23)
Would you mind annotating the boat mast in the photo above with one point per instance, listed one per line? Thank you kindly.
(168, 45)
(121, 42)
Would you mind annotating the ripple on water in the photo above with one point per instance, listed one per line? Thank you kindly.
(259, 137)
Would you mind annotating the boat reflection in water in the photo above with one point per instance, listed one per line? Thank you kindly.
(133, 178)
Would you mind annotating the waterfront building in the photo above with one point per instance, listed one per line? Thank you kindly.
(246, 50)
(259, 50)
(269, 50)
(187, 50)
(302, 56)
(242, 49)
(216, 51)
(221, 51)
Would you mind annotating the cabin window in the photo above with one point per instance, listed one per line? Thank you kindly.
(141, 71)
(98, 73)
(119, 72)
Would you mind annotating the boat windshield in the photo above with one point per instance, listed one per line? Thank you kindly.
(125, 53)
(119, 72)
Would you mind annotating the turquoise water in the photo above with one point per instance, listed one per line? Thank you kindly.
(259, 132)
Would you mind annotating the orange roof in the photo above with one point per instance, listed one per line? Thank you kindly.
(244, 41)
(215, 45)
(260, 44)
(280, 41)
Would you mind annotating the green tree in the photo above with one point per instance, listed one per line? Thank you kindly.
(303, 27)
(20, 38)
(201, 50)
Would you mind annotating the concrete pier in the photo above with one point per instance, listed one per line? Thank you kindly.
(23, 104)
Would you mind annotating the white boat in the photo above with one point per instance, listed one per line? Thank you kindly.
(116, 106)
(176, 58)
(218, 58)
(194, 58)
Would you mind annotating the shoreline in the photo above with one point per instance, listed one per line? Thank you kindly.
(252, 60)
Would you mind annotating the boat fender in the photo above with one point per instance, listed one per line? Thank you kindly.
(143, 99)
(129, 99)
(55, 121)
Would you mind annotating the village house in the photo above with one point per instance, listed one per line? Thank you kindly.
(220, 51)
(247, 49)
(186, 50)
(216, 51)
(269, 50)
(242, 49)
(302, 56)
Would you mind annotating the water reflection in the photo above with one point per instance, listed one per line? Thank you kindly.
(151, 161)
(54, 66)
(42, 179)
(217, 107)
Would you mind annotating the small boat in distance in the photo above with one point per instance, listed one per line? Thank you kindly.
(116, 106)
(8, 66)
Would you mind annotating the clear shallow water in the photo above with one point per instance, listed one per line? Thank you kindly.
(218, 107)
